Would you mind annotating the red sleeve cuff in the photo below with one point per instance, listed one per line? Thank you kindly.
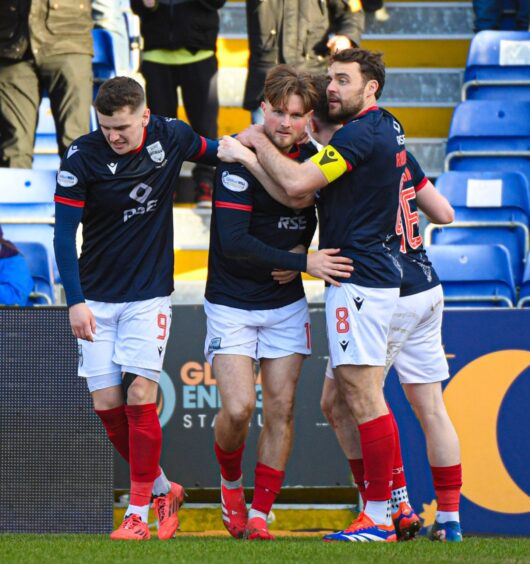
(421, 185)
(69, 202)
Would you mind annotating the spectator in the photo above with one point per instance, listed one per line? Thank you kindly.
(179, 50)
(301, 34)
(109, 15)
(16, 283)
(377, 8)
(44, 47)
(488, 14)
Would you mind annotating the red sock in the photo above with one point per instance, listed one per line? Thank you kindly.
(230, 462)
(378, 444)
(117, 426)
(145, 445)
(267, 485)
(398, 472)
(447, 484)
(357, 469)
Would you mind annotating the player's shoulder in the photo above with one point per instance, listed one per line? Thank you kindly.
(169, 127)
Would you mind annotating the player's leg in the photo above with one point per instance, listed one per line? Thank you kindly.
(143, 331)
(284, 340)
(422, 367)
(358, 321)
(160, 88)
(279, 379)
(230, 347)
(344, 426)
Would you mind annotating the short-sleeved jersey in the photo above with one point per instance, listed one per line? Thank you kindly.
(249, 234)
(418, 272)
(127, 251)
(358, 210)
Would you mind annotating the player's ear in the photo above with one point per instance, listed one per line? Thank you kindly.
(146, 117)
(372, 87)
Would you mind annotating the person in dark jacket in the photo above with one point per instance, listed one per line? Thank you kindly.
(16, 283)
(301, 34)
(44, 47)
(179, 51)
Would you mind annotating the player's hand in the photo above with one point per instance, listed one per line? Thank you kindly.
(82, 321)
(338, 43)
(247, 136)
(230, 150)
(324, 264)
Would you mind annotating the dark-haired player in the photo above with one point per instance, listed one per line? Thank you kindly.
(118, 181)
(359, 175)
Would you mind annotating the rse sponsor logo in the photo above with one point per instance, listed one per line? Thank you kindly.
(66, 179)
(297, 223)
(396, 126)
(329, 156)
(140, 192)
(233, 182)
(140, 210)
(400, 139)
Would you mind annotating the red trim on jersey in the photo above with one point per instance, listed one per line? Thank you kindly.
(348, 165)
(201, 151)
(421, 184)
(233, 206)
(141, 146)
(294, 153)
(69, 202)
(364, 112)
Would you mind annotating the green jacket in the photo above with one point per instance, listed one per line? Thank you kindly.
(45, 28)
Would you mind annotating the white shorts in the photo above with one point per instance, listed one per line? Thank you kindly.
(357, 322)
(130, 337)
(415, 339)
(267, 333)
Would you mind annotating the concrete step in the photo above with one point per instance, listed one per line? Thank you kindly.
(407, 19)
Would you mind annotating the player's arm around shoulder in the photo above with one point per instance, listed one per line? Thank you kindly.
(435, 206)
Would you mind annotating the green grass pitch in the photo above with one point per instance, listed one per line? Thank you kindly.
(98, 548)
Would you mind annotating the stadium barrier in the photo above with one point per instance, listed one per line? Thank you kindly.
(55, 460)
(54, 455)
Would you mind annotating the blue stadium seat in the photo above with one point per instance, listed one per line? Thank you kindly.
(103, 65)
(498, 66)
(490, 135)
(39, 264)
(524, 294)
(474, 275)
(26, 206)
(511, 235)
(487, 196)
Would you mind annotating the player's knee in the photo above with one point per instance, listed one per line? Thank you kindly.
(326, 407)
(240, 414)
(279, 411)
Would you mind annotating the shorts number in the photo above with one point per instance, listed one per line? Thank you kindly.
(341, 314)
(162, 323)
(308, 334)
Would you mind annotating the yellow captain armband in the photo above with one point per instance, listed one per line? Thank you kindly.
(330, 162)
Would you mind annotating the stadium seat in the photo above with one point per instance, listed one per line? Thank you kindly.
(498, 66)
(103, 66)
(524, 294)
(487, 196)
(490, 135)
(41, 270)
(26, 206)
(474, 275)
(511, 235)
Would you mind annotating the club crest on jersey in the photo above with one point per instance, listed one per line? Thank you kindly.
(233, 182)
(66, 179)
(156, 152)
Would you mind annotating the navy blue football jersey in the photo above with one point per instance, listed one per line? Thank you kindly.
(250, 235)
(358, 210)
(127, 251)
(418, 272)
